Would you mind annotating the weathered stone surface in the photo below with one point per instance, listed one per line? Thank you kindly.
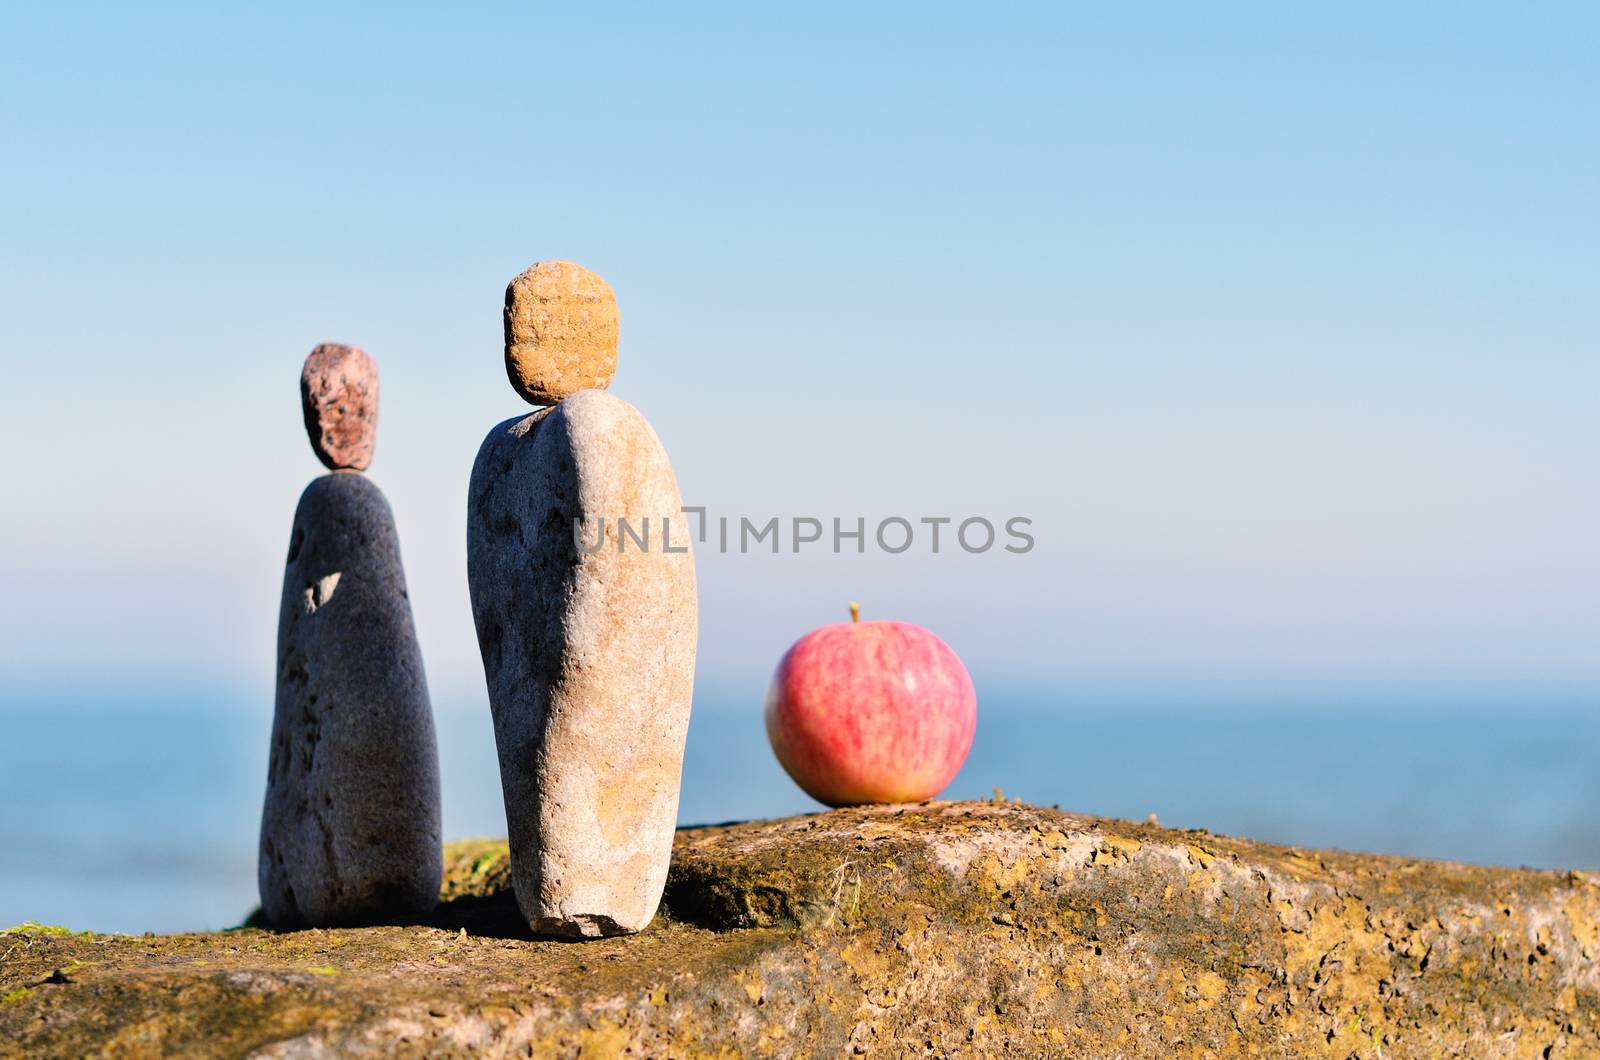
(339, 398)
(944, 929)
(350, 831)
(589, 656)
(561, 332)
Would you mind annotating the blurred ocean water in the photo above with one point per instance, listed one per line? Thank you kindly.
(141, 815)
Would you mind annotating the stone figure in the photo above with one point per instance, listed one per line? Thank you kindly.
(583, 592)
(350, 832)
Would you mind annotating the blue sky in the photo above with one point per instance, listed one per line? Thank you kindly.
(1279, 324)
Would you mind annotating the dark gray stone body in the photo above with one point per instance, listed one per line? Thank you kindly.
(351, 829)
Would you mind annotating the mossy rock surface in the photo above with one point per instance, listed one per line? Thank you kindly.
(943, 929)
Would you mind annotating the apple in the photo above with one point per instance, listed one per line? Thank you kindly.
(862, 712)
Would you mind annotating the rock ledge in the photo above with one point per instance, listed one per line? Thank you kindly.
(938, 928)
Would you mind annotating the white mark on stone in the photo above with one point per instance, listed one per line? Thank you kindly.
(319, 594)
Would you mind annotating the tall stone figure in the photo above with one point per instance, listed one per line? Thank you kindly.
(583, 591)
(350, 832)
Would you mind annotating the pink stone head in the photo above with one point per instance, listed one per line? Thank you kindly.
(339, 396)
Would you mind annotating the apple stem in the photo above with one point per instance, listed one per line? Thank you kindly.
(855, 611)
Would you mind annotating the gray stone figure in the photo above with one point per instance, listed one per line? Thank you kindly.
(350, 832)
(583, 591)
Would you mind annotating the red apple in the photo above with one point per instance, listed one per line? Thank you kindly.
(871, 712)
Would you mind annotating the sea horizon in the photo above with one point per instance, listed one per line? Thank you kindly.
(139, 812)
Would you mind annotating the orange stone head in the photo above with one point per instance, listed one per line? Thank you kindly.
(561, 332)
(339, 396)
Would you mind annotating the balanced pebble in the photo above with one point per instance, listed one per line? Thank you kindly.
(561, 332)
(339, 396)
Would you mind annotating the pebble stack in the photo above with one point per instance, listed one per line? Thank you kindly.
(588, 651)
(350, 832)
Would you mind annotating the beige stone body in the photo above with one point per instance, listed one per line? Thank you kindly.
(589, 656)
